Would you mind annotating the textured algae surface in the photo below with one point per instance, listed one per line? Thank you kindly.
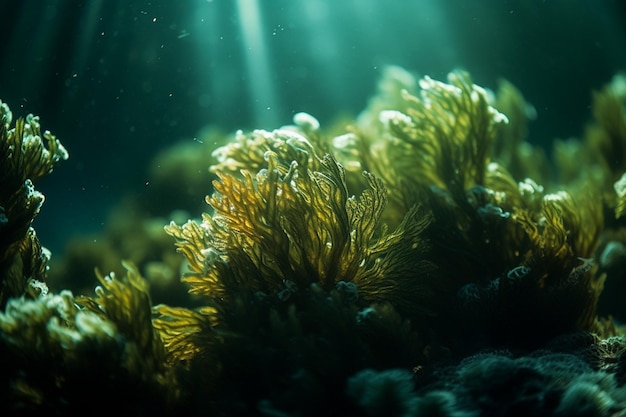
(421, 259)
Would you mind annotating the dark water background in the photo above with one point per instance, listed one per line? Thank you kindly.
(119, 80)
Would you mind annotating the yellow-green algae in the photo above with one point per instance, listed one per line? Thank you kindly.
(361, 274)
(24, 159)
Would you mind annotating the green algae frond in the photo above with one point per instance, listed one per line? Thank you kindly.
(70, 351)
(26, 155)
(293, 221)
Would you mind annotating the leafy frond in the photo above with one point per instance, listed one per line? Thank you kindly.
(566, 228)
(446, 136)
(26, 155)
(289, 225)
(186, 334)
(126, 302)
(68, 351)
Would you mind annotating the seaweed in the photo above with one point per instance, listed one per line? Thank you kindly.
(294, 224)
(62, 353)
(417, 263)
(24, 159)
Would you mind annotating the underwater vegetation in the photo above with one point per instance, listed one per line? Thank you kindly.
(24, 159)
(427, 260)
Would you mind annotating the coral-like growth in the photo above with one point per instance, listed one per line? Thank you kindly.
(292, 224)
(364, 274)
(24, 159)
(61, 353)
(283, 231)
(278, 244)
(440, 138)
(507, 238)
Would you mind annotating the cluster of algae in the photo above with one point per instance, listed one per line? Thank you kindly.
(424, 261)
(24, 159)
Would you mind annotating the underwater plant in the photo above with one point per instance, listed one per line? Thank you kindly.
(409, 266)
(24, 159)
(54, 350)
(61, 353)
(506, 237)
(283, 228)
